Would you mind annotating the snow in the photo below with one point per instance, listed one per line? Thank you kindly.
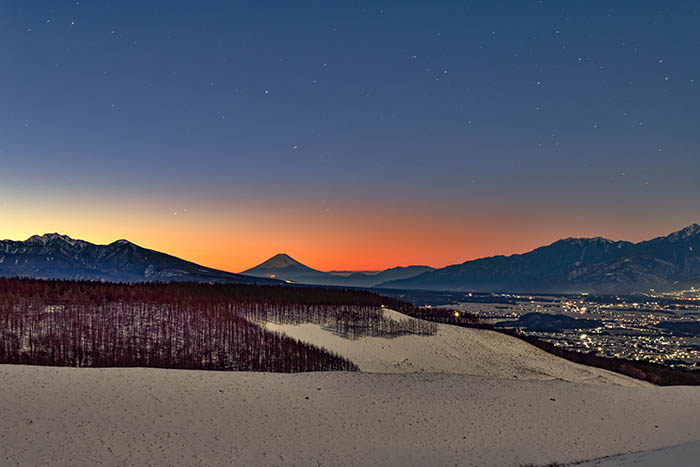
(133, 416)
(452, 350)
(461, 397)
(684, 455)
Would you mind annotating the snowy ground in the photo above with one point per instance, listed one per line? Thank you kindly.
(461, 397)
(452, 350)
(118, 417)
(684, 454)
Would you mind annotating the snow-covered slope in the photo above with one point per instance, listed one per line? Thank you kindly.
(461, 397)
(451, 350)
(682, 455)
(150, 417)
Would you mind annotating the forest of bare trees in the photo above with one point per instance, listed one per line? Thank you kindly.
(181, 325)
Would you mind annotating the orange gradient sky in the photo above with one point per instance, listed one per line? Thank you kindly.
(224, 133)
(234, 238)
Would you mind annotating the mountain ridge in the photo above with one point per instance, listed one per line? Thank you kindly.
(574, 265)
(569, 265)
(283, 266)
(56, 256)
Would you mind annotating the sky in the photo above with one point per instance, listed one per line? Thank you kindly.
(350, 135)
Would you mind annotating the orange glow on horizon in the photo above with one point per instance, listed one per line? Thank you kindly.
(343, 242)
(234, 240)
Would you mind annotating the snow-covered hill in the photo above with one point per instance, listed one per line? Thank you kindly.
(150, 417)
(451, 350)
(461, 397)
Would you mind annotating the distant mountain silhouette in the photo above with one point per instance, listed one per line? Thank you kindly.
(284, 261)
(595, 265)
(400, 272)
(282, 266)
(547, 322)
(54, 256)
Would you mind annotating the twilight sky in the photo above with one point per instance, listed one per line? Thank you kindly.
(351, 135)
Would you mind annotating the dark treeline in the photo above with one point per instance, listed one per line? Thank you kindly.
(348, 321)
(444, 315)
(89, 292)
(194, 326)
(185, 325)
(221, 327)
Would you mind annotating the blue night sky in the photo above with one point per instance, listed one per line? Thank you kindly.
(353, 134)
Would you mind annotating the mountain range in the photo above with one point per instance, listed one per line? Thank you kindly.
(54, 256)
(572, 265)
(575, 265)
(284, 267)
